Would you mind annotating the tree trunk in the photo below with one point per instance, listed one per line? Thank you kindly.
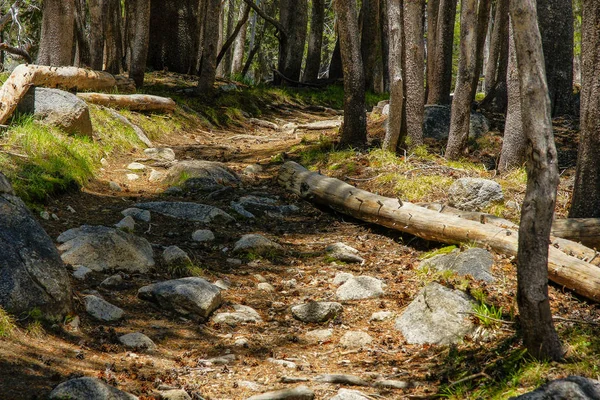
(138, 29)
(461, 104)
(394, 124)
(336, 71)
(498, 41)
(483, 19)
(370, 39)
(565, 270)
(239, 27)
(441, 74)
(586, 193)
(134, 102)
(385, 44)
(293, 16)
(514, 146)
(208, 66)
(113, 50)
(556, 27)
(413, 73)
(83, 45)
(240, 42)
(315, 41)
(537, 327)
(56, 43)
(228, 58)
(97, 33)
(433, 7)
(354, 130)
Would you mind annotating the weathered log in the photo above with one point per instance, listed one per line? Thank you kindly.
(570, 272)
(134, 102)
(584, 230)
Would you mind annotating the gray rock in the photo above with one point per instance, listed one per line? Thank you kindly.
(132, 177)
(174, 394)
(569, 388)
(437, 316)
(360, 287)
(223, 284)
(214, 172)
(385, 110)
(114, 186)
(256, 244)
(253, 169)
(88, 389)
(297, 393)
(59, 108)
(100, 248)
(136, 166)
(341, 278)
(240, 315)
(342, 379)
(32, 274)
(265, 286)
(137, 214)
(241, 210)
(255, 387)
(127, 224)
(436, 123)
(356, 339)
(393, 384)
(101, 309)
(155, 176)
(137, 341)
(160, 153)
(203, 236)
(381, 316)
(472, 194)
(191, 297)
(173, 256)
(475, 262)
(241, 342)
(348, 394)
(343, 252)
(113, 281)
(80, 272)
(318, 335)
(173, 191)
(283, 363)
(259, 206)
(188, 211)
(317, 311)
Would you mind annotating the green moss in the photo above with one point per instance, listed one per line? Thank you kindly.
(437, 252)
(7, 324)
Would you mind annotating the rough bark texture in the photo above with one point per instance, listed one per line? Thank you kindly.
(461, 104)
(483, 19)
(138, 29)
(56, 43)
(498, 42)
(113, 45)
(565, 270)
(208, 66)
(394, 123)
(556, 27)
(539, 335)
(586, 193)
(441, 72)
(336, 71)
(293, 16)
(228, 58)
(315, 41)
(584, 230)
(433, 7)
(239, 46)
(234, 38)
(83, 44)
(514, 145)
(385, 44)
(354, 130)
(134, 102)
(96, 34)
(413, 73)
(370, 39)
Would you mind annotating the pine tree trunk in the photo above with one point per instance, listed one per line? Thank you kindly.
(83, 45)
(113, 50)
(441, 74)
(208, 66)
(239, 46)
(483, 19)
(413, 73)
(586, 193)
(393, 133)
(97, 33)
(385, 45)
(461, 104)
(293, 16)
(354, 130)
(433, 7)
(138, 31)
(370, 39)
(335, 65)
(56, 43)
(315, 41)
(539, 336)
(228, 59)
(498, 41)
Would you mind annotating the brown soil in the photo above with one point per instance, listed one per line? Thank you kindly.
(31, 365)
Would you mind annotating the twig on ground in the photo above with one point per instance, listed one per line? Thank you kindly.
(470, 377)
(363, 179)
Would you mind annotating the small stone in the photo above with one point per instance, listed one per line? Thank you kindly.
(174, 394)
(112, 281)
(222, 284)
(289, 284)
(137, 341)
(127, 224)
(355, 339)
(284, 363)
(241, 342)
(259, 278)
(234, 261)
(54, 217)
(342, 379)
(132, 177)
(385, 110)
(472, 194)
(265, 286)
(297, 393)
(242, 314)
(114, 186)
(360, 287)
(253, 169)
(137, 214)
(155, 176)
(103, 162)
(256, 244)
(255, 387)
(512, 205)
(136, 166)
(101, 309)
(341, 278)
(160, 153)
(381, 316)
(45, 215)
(174, 256)
(203, 235)
(71, 210)
(317, 311)
(348, 394)
(343, 252)
(319, 335)
(80, 272)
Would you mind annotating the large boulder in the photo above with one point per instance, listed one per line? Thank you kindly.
(475, 262)
(191, 297)
(472, 194)
(211, 172)
(188, 211)
(438, 315)
(32, 274)
(436, 122)
(569, 388)
(101, 248)
(88, 389)
(59, 108)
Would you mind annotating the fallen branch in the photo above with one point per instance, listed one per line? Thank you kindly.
(565, 270)
(16, 51)
(134, 102)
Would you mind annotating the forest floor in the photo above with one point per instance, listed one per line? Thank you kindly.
(490, 364)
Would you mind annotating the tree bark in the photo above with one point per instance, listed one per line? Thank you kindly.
(441, 74)
(385, 45)
(96, 34)
(354, 130)
(138, 29)
(113, 44)
(233, 38)
(56, 43)
(461, 104)
(134, 102)
(370, 39)
(556, 27)
(208, 66)
(483, 19)
(315, 41)
(336, 71)
(498, 42)
(229, 53)
(413, 73)
(293, 16)
(433, 7)
(393, 135)
(586, 192)
(83, 45)
(514, 146)
(565, 270)
(539, 336)
(239, 46)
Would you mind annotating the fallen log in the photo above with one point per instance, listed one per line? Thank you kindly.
(134, 102)
(584, 230)
(570, 272)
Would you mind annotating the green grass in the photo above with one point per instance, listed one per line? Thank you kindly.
(437, 252)
(7, 324)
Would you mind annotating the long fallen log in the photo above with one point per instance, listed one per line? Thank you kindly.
(584, 230)
(570, 272)
(71, 78)
(134, 102)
